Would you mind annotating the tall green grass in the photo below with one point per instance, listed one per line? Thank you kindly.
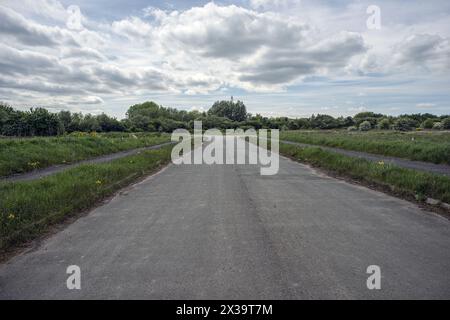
(423, 146)
(403, 181)
(18, 155)
(27, 209)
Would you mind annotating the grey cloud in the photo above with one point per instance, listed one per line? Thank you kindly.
(261, 48)
(131, 28)
(114, 75)
(51, 10)
(228, 32)
(26, 31)
(38, 86)
(198, 83)
(283, 66)
(120, 79)
(38, 72)
(15, 25)
(37, 65)
(86, 101)
(424, 50)
(84, 53)
(153, 80)
(271, 50)
(277, 75)
(198, 50)
(13, 61)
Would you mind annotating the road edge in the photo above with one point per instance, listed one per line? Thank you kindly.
(36, 243)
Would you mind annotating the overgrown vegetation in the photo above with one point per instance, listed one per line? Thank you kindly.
(41, 122)
(18, 155)
(27, 209)
(151, 117)
(423, 146)
(407, 182)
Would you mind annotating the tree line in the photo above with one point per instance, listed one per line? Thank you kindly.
(151, 117)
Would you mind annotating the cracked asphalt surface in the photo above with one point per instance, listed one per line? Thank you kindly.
(226, 232)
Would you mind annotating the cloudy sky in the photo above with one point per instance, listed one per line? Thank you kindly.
(281, 57)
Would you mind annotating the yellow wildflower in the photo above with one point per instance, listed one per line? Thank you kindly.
(33, 164)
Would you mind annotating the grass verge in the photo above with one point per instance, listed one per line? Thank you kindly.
(406, 182)
(422, 146)
(19, 155)
(28, 209)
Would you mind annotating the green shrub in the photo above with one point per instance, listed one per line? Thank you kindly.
(438, 126)
(446, 123)
(365, 126)
(428, 124)
(384, 124)
(404, 124)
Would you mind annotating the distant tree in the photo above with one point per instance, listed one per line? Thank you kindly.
(6, 113)
(149, 116)
(292, 125)
(193, 115)
(149, 109)
(65, 117)
(127, 125)
(303, 123)
(418, 117)
(169, 125)
(107, 123)
(405, 124)
(89, 124)
(142, 116)
(323, 121)
(346, 122)
(365, 126)
(254, 123)
(367, 116)
(44, 123)
(384, 124)
(428, 123)
(446, 123)
(235, 111)
(437, 126)
(75, 122)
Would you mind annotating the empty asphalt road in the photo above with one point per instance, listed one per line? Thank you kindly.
(225, 231)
